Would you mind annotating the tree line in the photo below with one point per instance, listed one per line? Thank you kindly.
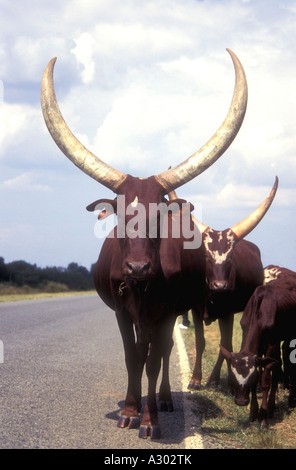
(20, 273)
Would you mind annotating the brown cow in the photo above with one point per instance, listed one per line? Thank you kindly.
(233, 271)
(269, 318)
(146, 279)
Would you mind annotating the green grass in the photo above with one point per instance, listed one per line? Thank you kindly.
(9, 293)
(227, 424)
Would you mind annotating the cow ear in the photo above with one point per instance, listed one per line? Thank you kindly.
(100, 203)
(182, 203)
(107, 207)
(225, 352)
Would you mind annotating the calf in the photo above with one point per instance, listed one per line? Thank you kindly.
(269, 318)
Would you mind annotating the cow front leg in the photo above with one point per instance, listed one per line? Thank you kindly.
(254, 408)
(226, 329)
(265, 385)
(135, 359)
(165, 402)
(195, 381)
(150, 426)
(276, 372)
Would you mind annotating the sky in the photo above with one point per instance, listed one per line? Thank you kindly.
(143, 85)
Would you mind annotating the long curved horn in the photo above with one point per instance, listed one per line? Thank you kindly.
(249, 223)
(201, 227)
(221, 140)
(170, 179)
(67, 142)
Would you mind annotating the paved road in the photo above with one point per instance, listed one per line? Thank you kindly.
(63, 380)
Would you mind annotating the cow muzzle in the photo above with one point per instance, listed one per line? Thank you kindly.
(140, 270)
(242, 400)
(218, 286)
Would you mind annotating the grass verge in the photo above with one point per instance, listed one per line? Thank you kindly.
(227, 424)
(10, 293)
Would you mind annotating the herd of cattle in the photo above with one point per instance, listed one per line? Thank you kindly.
(149, 280)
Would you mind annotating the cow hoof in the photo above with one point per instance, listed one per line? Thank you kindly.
(134, 422)
(150, 431)
(155, 432)
(253, 417)
(165, 406)
(193, 385)
(212, 384)
(131, 422)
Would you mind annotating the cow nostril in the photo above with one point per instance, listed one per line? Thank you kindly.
(146, 267)
(129, 266)
(137, 268)
(219, 285)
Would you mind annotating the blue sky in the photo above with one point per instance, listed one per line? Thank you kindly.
(144, 84)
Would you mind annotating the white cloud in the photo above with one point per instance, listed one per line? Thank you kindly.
(144, 85)
(24, 182)
(83, 52)
(245, 196)
(13, 119)
(16, 120)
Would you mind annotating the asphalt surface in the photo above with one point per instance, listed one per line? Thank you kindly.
(63, 380)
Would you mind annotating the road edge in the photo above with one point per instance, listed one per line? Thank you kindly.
(193, 438)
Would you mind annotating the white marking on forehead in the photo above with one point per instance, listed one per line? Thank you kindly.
(270, 275)
(219, 258)
(240, 379)
(135, 202)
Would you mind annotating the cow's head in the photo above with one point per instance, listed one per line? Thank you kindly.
(145, 216)
(219, 245)
(138, 251)
(244, 374)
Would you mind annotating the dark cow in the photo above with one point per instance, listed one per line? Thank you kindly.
(146, 279)
(233, 271)
(289, 360)
(269, 318)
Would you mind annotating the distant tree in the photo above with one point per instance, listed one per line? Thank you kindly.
(72, 267)
(23, 273)
(78, 277)
(4, 274)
